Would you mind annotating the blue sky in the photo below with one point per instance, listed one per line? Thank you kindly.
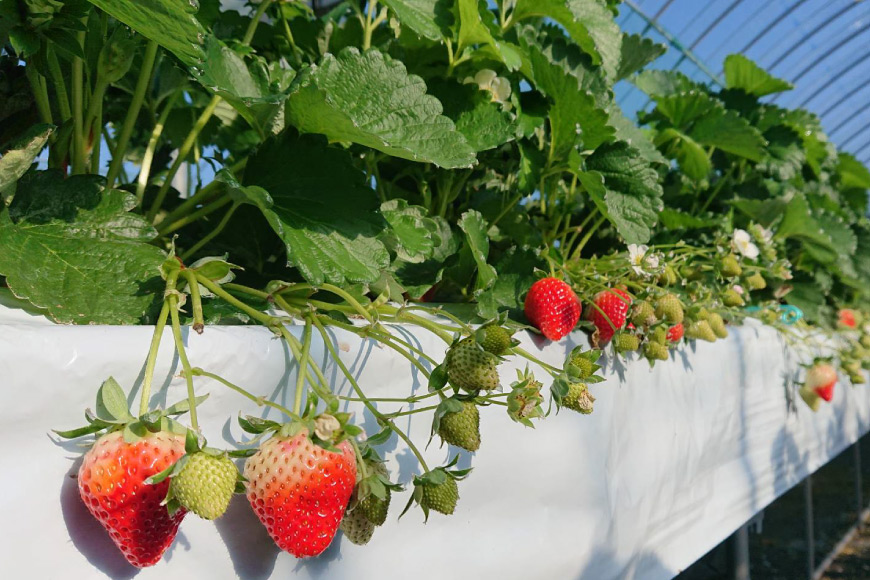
(820, 45)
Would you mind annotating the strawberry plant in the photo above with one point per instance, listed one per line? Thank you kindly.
(458, 167)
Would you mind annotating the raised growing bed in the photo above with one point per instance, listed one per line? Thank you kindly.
(673, 460)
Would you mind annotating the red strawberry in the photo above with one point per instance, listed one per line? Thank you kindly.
(552, 307)
(610, 315)
(847, 318)
(300, 491)
(675, 333)
(112, 485)
(821, 379)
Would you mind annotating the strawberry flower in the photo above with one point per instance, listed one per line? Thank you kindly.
(742, 242)
(641, 261)
(499, 87)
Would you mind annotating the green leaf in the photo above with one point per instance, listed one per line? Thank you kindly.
(785, 153)
(483, 122)
(852, 172)
(475, 228)
(625, 188)
(474, 18)
(636, 52)
(692, 158)
(516, 274)
(324, 212)
(728, 131)
(256, 89)
(19, 157)
(428, 18)
(742, 73)
(412, 234)
(370, 99)
(72, 248)
(675, 219)
(661, 83)
(112, 402)
(170, 23)
(589, 22)
(628, 131)
(183, 406)
(574, 115)
(683, 108)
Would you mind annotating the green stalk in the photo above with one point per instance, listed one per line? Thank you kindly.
(261, 317)
(182, 356)
(303, 366)
(252, 26)
(198, 214)
(59, 84)
(380, 416)
(196, 301)
(513, 202)
(91, 118)
(529, 356)
(587, 237)
(212, 234)
(296, 350)
(203, 195)
(183, 152)
(40, 93)
(150, 363)
(260, 401)
(148, 157)
(133, 112)
(78, 157)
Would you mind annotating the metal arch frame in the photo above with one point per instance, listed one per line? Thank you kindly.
(846, 97)
(812, 33)
(827, 55)
(842, 144)
(776, 21)
(708, 30)
(827, 85)
(847, 120)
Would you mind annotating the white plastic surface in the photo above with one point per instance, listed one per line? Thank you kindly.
(672, 461)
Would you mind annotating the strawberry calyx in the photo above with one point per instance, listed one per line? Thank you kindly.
(325, 429)
(525, 401)
(112, 414)
(436, 489)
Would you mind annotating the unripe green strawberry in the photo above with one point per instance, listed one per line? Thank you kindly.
(578, 398)
(768, 316)
(625, 342)
(756, 282)
(700, 329)
(643, 314)
(669, 308)
(856, 374)
(470, 367)
(865, 341)
(205, 484)
(659, 335)
(730, 267)
(668, 277)
(732, 298)
(441, 497)
(718, 325)
(375, 508)
(356, 527)
(583, 365)
(462, 428)
(496, 339)
(655, 351)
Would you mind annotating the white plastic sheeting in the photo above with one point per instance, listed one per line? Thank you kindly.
(672, 461)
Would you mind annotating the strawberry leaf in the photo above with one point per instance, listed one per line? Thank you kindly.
(18, 158)
(428, 18)
(71, 247)
(382, 107)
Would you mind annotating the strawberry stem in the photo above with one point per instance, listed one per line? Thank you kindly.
(150, 363)
(182, 355)
(260, 401)
(196, 301)
(529, 356)
(302, 371)
(369, 405)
